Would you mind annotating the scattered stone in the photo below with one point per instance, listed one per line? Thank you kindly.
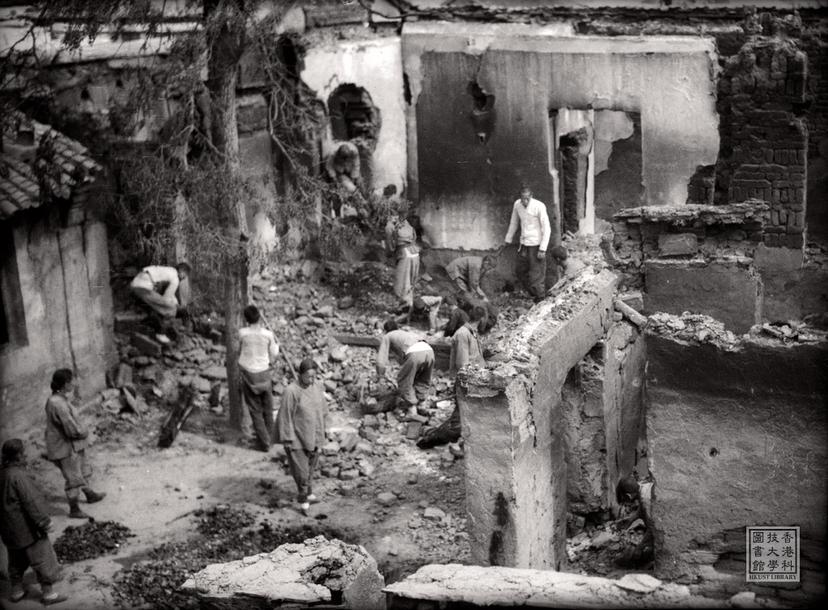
(386, 498)
(330, 386)
(326, 311)
(215, 372)
(346, 302)
(434, 514)
(744, 599)
(146, 346)
(640, 583)
(109, 394)
(349, 474)
(201, 385)
(128, 321)
(330, 448)
(338, 353)
(90, 540)
(412, 430)
(329, 471)
(456, 450)
(363, 447)
(349, 442)
(366, 468)
(603, 538)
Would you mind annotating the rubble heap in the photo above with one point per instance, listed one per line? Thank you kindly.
(316, 571)
(92, 539)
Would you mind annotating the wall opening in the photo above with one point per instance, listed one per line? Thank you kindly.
(618, 166)
(573, 136)
(353, 115)
(482, 113)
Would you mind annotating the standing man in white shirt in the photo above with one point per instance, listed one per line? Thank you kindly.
(164, 289)
(258, 350)
(530, 215)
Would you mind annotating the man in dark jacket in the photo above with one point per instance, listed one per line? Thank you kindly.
(24, 527)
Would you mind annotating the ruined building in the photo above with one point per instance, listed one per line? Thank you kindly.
(692, 136)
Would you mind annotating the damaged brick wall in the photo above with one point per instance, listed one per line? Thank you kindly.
(764, 141)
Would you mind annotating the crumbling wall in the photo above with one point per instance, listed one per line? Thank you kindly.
(466, 187)
(516, 477)
(64, 282)
(764, 148)
(736, 438)
(375, 65)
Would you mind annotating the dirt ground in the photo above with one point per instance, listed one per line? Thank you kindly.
(155, 492)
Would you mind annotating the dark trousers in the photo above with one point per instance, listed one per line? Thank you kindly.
(531, 271)
(40, 556)
(302, 464)
(257, 396)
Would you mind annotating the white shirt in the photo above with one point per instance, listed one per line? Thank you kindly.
(258, 346)
(533, 222)
(160, 273)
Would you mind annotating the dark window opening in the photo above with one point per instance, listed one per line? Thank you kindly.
(353, 115)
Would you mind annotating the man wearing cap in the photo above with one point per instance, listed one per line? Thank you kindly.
(166, 290)
(417, 363)
(300, 427)
(25, 527)
(530, 216)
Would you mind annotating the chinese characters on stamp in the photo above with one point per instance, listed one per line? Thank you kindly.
(772, 554)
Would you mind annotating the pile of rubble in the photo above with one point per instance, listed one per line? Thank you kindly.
(694, 328)
(156, 582)
(90, 540)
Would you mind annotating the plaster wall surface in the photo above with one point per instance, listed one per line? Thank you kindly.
(466, 188)
(526, 458)
(726, 291)
(736, 438)
(255, 157)
(64, 283)
(625, 359)
(376, 66)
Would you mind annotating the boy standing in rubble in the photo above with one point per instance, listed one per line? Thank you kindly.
(300, 427)
(401, 242)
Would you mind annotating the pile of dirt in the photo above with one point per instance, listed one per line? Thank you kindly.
(90, 540)
(223, 536)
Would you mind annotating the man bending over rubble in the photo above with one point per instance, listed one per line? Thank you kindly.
(166, 290)
(417, 363)
(467, 271)
(300, 427)
(258, 350)
(465, 349)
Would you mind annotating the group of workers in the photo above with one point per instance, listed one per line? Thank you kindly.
(300, 423)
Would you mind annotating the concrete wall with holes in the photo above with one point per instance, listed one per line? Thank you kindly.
(466, 186)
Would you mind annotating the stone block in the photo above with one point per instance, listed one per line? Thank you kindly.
(724, 291)
(147, 346)
(315, 572)
(678, 244)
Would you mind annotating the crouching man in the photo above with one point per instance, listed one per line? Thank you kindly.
(25, 527)
(165, 290)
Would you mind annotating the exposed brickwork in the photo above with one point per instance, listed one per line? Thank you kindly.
(764, 146)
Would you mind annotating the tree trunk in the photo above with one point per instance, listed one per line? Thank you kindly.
(225, 52)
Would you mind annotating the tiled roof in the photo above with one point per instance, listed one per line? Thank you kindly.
(19, 188)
